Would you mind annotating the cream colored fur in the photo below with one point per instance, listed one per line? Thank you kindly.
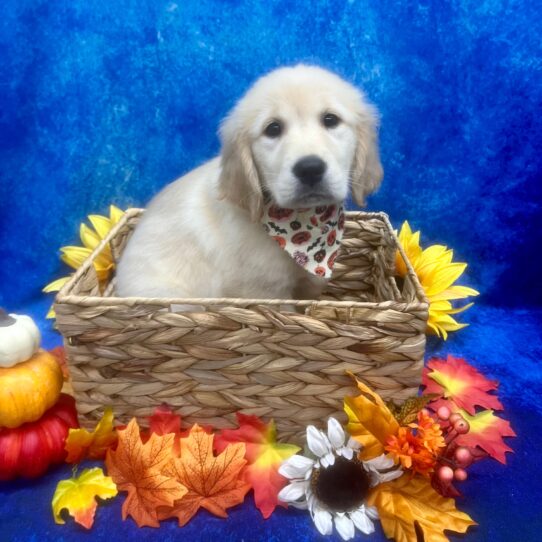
(201, 236)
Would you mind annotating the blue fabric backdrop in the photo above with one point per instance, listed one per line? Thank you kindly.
(109, 101)
(106, 102)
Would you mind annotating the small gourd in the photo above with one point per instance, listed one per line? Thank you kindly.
(28, 389)
(19, 338)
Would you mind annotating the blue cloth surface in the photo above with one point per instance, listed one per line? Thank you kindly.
(506, 501)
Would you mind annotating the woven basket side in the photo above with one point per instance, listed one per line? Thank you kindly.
(119, 241)
(260, 361)
(365, 262)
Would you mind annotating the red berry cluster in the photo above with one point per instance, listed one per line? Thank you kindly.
(453, 459)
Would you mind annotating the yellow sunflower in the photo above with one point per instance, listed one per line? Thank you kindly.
(74, 256)
(437, 274)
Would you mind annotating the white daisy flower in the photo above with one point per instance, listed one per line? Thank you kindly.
(334, 485)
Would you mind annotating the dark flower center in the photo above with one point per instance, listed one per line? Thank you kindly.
(343, 486)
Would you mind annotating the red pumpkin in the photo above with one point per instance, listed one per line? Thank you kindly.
(29, 450)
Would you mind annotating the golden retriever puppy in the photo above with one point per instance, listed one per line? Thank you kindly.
(299, 140)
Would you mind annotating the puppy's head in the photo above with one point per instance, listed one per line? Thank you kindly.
(303, 136)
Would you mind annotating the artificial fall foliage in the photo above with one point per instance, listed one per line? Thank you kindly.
(417, 446)
(212, 482)
(370, 421)
(78, 496)
(82, 444)
(264, 456)
(454, 379)
(144, 470)
(162, 484)
(407, 412)
(60, 354)
(409, 500)
(164, 421)
(487, 432)
(171, 473)
(462, 388)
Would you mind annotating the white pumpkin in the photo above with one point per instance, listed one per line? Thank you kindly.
(19, 338)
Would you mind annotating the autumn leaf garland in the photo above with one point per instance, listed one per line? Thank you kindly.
(168, 472)
(165, 472)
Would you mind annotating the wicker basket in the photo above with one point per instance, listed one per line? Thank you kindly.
(247, 354)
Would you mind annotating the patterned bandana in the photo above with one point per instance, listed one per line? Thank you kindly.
(311, 236)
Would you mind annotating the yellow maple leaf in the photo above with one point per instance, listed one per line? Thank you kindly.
(82, 444)
(78, 496)
(406, 501)
(370, 421)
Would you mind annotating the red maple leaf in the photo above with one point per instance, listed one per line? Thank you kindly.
(460, 382)
(163, 421)
(487, 432)
(264, 456)
(60, 354)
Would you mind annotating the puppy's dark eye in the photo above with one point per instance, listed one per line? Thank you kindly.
(330, 120)
(273, 129)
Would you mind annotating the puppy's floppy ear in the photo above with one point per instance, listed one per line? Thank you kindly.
(367, 170)
(239, 181)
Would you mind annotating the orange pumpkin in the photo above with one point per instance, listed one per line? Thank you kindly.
(28, 389)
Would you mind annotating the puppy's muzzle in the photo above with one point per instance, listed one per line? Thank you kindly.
(309, 170)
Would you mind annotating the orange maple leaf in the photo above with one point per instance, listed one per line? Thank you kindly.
(144, 471)
(82, 444)
(214, 483)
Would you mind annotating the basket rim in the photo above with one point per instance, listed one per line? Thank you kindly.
(65, 295)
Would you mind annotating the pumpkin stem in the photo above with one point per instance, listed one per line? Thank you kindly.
(5, 319)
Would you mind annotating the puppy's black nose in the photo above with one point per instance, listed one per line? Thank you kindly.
(310, 169)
